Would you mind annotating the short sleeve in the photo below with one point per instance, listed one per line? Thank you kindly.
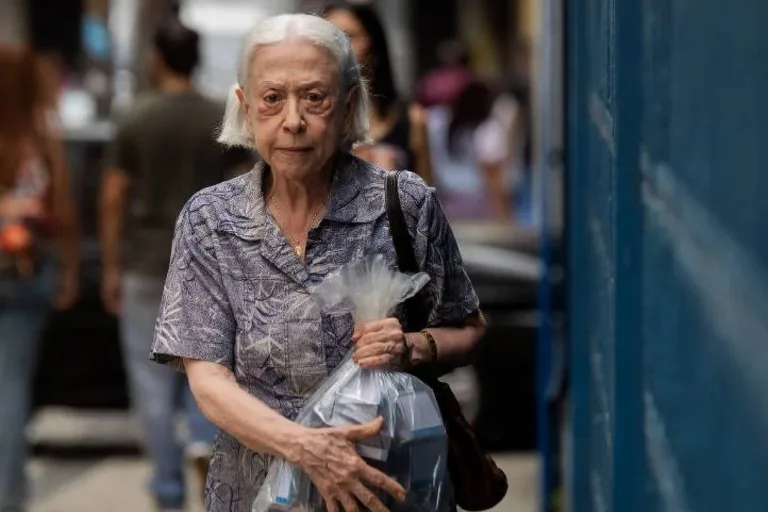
(491, 142)
(121, 152)
(195, 320)
(452, 298)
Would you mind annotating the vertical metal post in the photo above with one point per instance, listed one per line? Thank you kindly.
(542, 144)
(629, 445)
(576, 150)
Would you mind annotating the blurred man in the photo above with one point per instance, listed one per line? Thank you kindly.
(163, 152)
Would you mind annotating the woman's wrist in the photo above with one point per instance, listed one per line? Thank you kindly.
(288, 441)
(421, 349)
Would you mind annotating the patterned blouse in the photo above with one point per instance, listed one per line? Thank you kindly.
(236, 294)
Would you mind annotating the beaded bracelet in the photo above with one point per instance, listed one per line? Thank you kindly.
(432, 344)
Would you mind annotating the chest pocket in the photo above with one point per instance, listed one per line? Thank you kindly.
(279, 325)
(283, 339)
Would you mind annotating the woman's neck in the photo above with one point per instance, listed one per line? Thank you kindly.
(298, 198)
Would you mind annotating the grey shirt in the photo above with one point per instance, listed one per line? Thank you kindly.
(236, 294)
(167, 145)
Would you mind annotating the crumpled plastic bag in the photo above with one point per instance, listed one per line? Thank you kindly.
(412, 444)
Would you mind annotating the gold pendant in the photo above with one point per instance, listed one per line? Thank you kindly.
(298, 251)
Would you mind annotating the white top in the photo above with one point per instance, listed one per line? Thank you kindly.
(507, 110)
(461, 173)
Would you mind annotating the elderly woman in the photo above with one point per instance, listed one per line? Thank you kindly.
(236, 311)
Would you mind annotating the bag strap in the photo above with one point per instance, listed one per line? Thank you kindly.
(415, 310)
(406, 257)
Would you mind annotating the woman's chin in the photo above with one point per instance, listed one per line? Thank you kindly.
(296, 165)
(294, 172)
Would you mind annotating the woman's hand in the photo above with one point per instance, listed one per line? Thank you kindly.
(329, 458)
(381, 344)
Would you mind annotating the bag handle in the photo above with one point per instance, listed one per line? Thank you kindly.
(406, 257)
(416, 315)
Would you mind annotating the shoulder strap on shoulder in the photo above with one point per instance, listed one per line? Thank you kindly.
(406, 257)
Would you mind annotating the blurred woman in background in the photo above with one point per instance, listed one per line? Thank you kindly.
(38, 248)
(470, 150)
(397, 129)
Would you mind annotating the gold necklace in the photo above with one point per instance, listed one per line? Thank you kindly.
(296, 241)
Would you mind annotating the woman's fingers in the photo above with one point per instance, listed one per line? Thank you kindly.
(388, 324)
(394, 347)
(368, 499)
(330, 501)
(380, 350)
(345, 484)
(358, 432)
(383, 362)
(378, 479)
(371, 338)
(348, 502)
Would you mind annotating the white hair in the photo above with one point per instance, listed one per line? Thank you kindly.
(234, 129)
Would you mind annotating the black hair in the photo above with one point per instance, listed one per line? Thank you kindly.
(178, 47)
(381, 82)
(471, 108)
(453, 52)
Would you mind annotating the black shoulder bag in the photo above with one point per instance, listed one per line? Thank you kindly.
(479, 484)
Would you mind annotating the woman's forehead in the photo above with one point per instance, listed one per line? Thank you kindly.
(292, 63)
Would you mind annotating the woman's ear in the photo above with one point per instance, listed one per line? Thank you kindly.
(244, 107)
(241, 98)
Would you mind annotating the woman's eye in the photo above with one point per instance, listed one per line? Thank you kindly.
(314, 97)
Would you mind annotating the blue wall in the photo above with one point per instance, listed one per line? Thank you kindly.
(668, 258)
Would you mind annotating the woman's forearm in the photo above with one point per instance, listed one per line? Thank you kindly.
(68, 233)
(496, 187)
(454, 344)
(69, 241)
(246, 418)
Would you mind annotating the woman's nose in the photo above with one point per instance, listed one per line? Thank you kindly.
(293, 121)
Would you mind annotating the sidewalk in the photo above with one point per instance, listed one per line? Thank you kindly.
(117, 483)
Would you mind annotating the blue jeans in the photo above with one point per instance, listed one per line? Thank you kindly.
(24, 307)
(158, 391)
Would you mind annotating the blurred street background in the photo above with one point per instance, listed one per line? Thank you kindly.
(609, 209)
(87, 444)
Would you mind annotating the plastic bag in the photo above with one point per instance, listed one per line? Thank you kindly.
(412, 445)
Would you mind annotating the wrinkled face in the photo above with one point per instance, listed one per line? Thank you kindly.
(294, 107)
